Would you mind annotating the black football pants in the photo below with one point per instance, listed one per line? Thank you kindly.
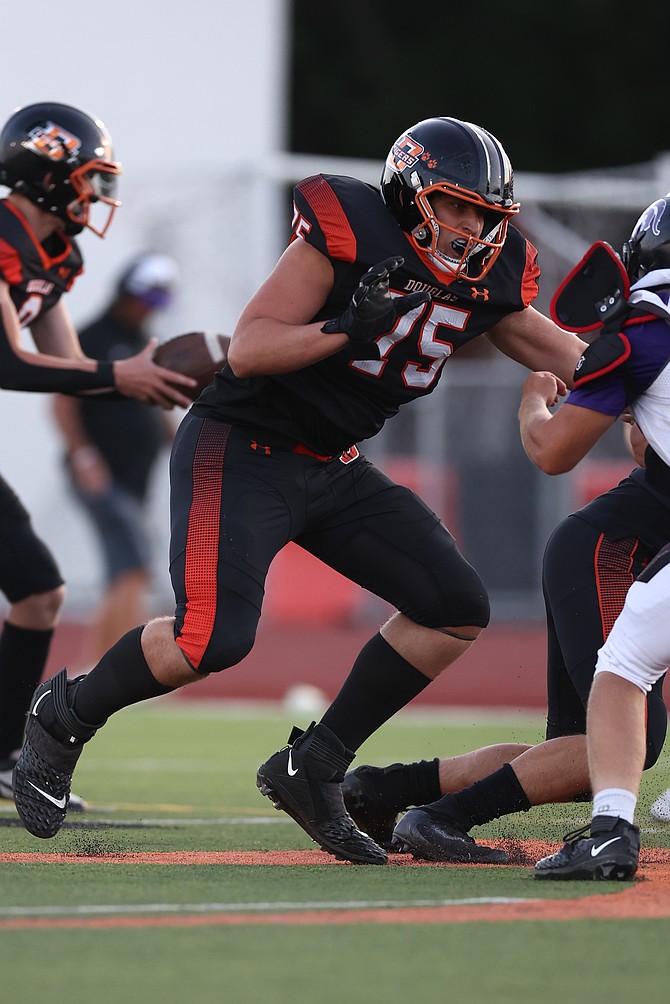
(239, 495)
(590, 562)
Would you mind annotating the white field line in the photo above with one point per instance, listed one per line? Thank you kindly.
(7, 809)
(164, 821)
(113, 909)
(188, 821)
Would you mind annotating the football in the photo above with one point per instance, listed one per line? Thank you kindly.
(198, 354)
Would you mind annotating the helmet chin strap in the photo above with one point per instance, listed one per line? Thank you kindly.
(480, 245)
(454, 266)
(443, 261)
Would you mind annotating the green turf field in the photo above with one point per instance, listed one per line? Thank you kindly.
(173, 776)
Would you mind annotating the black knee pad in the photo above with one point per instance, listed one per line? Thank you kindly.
(222, 653)
(224, 643)
(453, 607)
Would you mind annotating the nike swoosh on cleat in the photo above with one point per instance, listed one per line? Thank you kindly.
(58, 802)
(596, 850)
(39, 701)
(292, 771)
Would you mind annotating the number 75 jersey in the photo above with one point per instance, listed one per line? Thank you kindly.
(345, 399)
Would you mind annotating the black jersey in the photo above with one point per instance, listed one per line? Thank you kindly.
(343, 399)
(37, 275)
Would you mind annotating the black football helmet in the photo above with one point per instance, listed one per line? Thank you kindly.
(62, 160)
(465, 161)
(648, 247)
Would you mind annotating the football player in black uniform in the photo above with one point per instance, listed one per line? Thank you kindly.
(373, 294)
(591, 562)
(57, 162)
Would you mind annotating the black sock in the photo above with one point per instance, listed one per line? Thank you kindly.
(380, 683)
(122, 677)
(499, 794)
(405, 784)
(23, 656)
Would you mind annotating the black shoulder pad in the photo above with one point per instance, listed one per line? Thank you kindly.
(606, 353)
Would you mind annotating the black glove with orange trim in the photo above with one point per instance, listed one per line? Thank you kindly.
(373, 309)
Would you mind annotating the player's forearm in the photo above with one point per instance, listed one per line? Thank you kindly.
(535, 429)
(46, 374)
(264, 346)
(43, 372)
(537, 343)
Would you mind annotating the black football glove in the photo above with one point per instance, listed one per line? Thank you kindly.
(373, 310)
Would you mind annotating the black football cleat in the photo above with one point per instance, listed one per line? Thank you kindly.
(304, 779)
(611, 852)
(75, 804)
(43, 772)
(364, 801)
(428, 837)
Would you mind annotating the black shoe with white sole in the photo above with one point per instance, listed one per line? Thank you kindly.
(43, 772)
(611, 851)
(304, 779)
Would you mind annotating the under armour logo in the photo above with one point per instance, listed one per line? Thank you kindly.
(259, 446)
(348, 456)
(484, 293)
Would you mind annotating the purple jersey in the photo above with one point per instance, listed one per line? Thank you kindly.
(611, 392)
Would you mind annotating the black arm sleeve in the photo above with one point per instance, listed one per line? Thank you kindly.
(16, 374)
